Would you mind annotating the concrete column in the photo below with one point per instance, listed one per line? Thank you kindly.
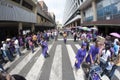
(21, 2)
(75, 23)
(82, 17)
(33, 28)
(20, 28)
(94, 10)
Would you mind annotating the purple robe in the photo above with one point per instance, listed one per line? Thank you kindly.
(93, 51)
(80, 56)
(44, 48)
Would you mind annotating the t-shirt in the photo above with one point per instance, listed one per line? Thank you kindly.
(16, 44)
(116, 49)
(93, 51)
(105, 55)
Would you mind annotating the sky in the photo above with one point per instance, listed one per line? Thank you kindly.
(56, 6)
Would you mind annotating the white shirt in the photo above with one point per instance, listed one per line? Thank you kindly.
(55, 33)
(4, 47)
(83, 35)
(105, 55)
(16, 44)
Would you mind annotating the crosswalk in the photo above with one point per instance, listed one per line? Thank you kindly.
(56, 70)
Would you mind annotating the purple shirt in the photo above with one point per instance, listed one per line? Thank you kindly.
(93, 51)
(80, 56)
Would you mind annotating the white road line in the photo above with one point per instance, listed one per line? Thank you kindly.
(77, 46)
(35, 71)
(105, 78)
(21, 65)
(67, 39)
(79, 75)
(56, 70)
(8, 64)
(117, 74)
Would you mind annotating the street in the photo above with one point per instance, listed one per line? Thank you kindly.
(59, 66)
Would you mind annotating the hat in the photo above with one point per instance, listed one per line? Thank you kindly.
(84, 44)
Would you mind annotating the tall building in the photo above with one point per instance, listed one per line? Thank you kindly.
(104, 14)
(44, 6)
(44, 20)
(52, 15)
(71, 13)
(16, 15)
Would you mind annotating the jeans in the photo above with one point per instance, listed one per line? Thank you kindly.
(18, 51)
(7, 54)
(32, 48)
(103, 64)
(112, 72)
(2, 67)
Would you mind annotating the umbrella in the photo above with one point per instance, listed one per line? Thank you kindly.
(115, 34)
(86, 29)
(94, 28)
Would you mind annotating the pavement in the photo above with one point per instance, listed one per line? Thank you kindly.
(59, 66)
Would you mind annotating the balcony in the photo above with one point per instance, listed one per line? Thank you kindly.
(85, 4)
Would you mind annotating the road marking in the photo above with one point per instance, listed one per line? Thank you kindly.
(105, 78)
(79, 75)
(21, 65)
(77, 46)
(56, 70)
(8, 64)
(117, 74)
(35, 71)
(67, 39)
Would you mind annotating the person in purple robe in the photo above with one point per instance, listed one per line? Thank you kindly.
(93, 53)
(44, 46)
(80, 56)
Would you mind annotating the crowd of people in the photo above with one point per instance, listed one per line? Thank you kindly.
(12, 47)
(104, 52)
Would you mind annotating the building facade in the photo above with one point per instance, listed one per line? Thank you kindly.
(44, 20)
(71, 13)
(16, 15)
(43, 6)
(19, 16)
(105, 14)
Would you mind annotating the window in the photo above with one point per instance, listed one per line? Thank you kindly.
(27, 5)
(17, 1)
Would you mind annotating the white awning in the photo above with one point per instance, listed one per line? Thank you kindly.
(74, 19)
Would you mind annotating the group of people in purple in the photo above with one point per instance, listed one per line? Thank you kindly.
(103, 51)
(12, 47)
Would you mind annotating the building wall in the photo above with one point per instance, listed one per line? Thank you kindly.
(44, 19)
(11, 12)
(71, 7)
(106, 10)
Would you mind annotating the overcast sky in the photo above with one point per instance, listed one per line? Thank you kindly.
(56, 6)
